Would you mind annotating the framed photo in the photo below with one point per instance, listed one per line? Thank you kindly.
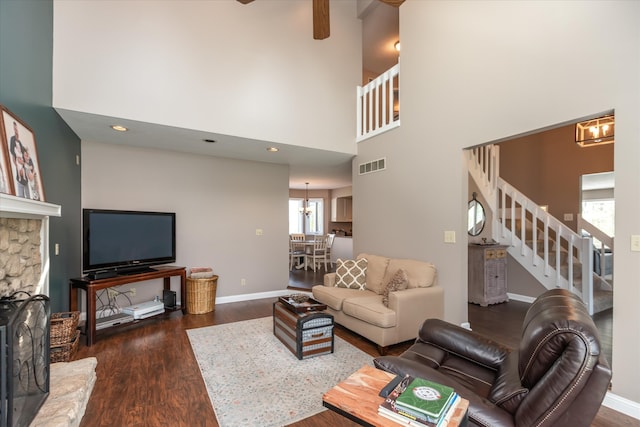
(6, 183)
(19, 144)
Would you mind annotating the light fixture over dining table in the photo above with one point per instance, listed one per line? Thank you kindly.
(305, 209)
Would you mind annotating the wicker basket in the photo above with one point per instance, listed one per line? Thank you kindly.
(201, 295)
(63, 327)
(64, 352)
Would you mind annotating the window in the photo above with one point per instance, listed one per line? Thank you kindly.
(307, 224)
(600, 213)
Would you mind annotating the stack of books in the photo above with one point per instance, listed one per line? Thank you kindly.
(418, 402)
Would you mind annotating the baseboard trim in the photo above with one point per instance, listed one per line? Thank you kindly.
(249, 297)
(622, 404)
(522, 298)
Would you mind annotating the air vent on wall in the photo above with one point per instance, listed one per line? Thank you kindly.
(374, 166)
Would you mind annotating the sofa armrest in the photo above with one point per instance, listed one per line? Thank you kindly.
(414, 305)
(463, 342)
(330, 279)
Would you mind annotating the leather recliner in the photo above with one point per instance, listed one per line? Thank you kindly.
(557, 376)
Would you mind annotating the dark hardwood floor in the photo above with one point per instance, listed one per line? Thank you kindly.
(148, 375)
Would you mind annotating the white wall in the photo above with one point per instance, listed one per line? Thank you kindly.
(219, 204)
(476, 71)
(251, 70)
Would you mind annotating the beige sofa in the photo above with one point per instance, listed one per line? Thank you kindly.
(362, 309)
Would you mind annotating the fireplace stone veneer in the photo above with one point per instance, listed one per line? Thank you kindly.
(20, 259)
(24, 244)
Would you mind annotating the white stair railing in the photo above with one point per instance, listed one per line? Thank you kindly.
(484, 167)
(550, 251)
(606, 247)
(378, 105)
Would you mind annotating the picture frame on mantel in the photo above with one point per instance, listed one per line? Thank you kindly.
(6, 183)
(19, 148)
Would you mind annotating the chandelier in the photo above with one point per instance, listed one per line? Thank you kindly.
(594, 132)
(306, 209)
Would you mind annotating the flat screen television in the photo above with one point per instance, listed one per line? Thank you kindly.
(125, 242)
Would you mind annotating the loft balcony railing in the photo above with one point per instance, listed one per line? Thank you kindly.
(378, 105)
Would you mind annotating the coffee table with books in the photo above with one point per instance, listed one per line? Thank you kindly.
(357, 398)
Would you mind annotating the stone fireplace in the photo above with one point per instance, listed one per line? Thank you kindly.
(20, 259)
(24, 245)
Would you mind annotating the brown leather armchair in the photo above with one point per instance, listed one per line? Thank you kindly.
(557, 376)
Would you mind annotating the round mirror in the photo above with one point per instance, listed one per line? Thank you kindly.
(476, 218)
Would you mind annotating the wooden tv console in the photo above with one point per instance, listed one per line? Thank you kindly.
(91, 287)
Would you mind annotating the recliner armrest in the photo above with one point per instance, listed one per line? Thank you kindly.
(330, 279)
(463, 342)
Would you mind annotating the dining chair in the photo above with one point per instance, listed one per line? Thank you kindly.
(318, 252)
(296, 250)
(330, 238)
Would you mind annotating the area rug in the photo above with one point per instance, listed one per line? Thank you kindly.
(254, 380)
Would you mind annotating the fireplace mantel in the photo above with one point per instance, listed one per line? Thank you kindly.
(18, 207)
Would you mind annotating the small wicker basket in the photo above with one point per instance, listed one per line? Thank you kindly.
(201, 295)
(64, 352)
(63, 327)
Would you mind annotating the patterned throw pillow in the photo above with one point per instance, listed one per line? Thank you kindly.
(351, 273)
(398, 282)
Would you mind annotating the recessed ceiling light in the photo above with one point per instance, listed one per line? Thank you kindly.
(272, 149)
(209, 140)
(119, 128)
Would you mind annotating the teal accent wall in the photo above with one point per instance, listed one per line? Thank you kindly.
(26, 52)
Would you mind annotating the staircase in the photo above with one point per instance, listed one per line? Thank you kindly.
(551, 252)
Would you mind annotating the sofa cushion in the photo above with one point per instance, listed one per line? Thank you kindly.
(369, 308)
(398, 282)
(421, 274)
(334, 296)
(351, 273)
(376, 269)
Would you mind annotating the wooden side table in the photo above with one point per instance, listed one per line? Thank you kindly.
(357, 398)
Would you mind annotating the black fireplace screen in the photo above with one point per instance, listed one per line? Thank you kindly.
(24, 359)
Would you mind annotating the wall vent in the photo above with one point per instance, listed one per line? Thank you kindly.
(374, 166)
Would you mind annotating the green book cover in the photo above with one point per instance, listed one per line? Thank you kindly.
(426, 396)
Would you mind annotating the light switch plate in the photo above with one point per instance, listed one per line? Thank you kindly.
(635, 243)
(449, 236)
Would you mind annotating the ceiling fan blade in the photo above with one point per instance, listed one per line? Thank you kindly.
(394, 3)
(321, 27)
(245, 1)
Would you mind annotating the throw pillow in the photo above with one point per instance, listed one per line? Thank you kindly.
(398, 282)
(351, 273)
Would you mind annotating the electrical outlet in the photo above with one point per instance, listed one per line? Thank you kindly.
(132, 291)
(243, 282)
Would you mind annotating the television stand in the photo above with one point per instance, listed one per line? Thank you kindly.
(92, 286)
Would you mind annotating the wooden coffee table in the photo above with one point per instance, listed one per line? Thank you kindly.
(357, 399)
